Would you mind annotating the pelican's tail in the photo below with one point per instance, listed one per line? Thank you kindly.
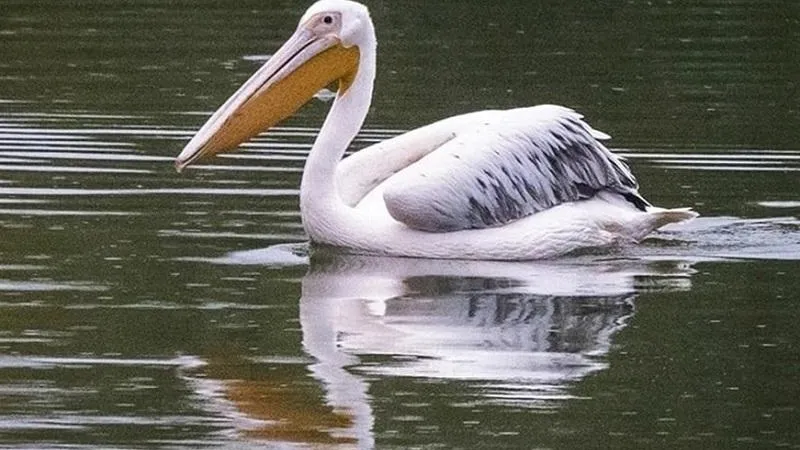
(660, 216)
(642, 223)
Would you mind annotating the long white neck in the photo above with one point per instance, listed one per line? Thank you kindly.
(323, 212)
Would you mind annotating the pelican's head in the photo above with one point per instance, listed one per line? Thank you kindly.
(325, 49)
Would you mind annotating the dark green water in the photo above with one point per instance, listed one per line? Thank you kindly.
(144, 309)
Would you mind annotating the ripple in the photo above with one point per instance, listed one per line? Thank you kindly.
(185, 362)
(22, 267)
(731, 168)
(87, 156)
(86, 170)
(280, 255)
(53, 213)
(734, 160)
(780, 204)
(228, 235)
(46, 286)
(147, 192)
(773, 238)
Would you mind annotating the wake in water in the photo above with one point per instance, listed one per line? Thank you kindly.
(776, 238)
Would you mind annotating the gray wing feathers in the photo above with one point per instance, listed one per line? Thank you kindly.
(499, 172)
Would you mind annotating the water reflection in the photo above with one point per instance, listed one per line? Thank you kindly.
(510, 334)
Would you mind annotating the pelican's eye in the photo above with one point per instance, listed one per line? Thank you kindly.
(327, 20)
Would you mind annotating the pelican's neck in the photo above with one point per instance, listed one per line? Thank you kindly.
(321, 207)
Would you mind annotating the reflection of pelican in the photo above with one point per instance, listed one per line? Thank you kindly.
(509, 333)
(505, 333)
(519, 184)
(533, 323)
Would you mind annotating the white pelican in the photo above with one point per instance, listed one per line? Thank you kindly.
(520, 184)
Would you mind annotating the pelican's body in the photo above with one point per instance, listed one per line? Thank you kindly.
(519, 184)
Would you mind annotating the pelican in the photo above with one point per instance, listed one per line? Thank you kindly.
(519, 184)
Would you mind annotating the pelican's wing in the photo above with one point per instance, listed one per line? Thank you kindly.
(361, 172)
(531, 160)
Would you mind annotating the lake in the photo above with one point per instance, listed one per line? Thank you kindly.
(141, 308)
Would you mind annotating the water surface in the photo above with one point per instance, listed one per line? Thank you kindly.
(145, 309)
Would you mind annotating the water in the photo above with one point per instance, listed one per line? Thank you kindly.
(145, 309)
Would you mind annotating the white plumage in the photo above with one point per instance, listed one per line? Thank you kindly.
(520, 184)
(492, 174)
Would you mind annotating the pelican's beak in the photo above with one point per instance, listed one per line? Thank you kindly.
(306, 63)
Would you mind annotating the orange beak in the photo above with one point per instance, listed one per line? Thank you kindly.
(305, 64)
